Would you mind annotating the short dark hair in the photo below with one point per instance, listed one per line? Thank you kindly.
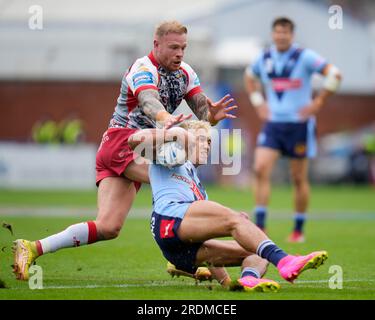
(283, 21)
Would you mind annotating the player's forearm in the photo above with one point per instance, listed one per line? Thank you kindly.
(254, 90)
(332, 79)
(250, 83)
(322, 96)
(151, 106)
(198, 104)
(145, 142)
(153, 137)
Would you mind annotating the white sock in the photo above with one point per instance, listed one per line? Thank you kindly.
(73, 236)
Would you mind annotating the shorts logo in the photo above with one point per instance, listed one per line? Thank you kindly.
(166, 229)
(152, 226)
(300, 149)
(122, 154)
(142, 78)
(104, 140)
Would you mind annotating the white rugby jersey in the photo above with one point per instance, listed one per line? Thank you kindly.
(146, 73)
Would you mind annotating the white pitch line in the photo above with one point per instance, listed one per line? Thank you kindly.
(146, 213)
(344, 280)
(178, 284)
(129, 285)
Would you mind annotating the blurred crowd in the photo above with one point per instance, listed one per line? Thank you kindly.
(67, 131)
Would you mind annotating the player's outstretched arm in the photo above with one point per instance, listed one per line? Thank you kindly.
(210, 111)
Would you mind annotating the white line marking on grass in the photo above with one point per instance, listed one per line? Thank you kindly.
(326, 281)
(146, 213)
(59, 212)
(178, 284)
(125, 285)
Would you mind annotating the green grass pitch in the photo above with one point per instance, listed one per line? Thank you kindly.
(342, 221)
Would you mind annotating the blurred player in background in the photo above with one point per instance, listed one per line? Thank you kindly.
(284, 71)
(151, 90)
(185, 224)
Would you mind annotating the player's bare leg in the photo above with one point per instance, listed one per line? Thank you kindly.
(264, 161)
(215, 252)
(230, 253)
(138, 171)
(299, 177)
(115, 198)
(198, 226)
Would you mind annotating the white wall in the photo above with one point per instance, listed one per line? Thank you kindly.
(32, 166)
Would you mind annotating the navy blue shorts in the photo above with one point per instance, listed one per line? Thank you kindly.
(292, 139)
(164, 230)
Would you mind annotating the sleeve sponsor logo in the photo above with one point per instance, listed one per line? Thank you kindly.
(142, 78)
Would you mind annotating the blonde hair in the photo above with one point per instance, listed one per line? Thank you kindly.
(196, 125)
(172, 26)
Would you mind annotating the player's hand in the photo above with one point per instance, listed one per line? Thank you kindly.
(173, 120)
(311, 109)
(220, 110)
(263, 112)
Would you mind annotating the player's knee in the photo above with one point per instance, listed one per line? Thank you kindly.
(244, 215)
(108, 231)
(298, 179)
(234, 220)
(260, 171)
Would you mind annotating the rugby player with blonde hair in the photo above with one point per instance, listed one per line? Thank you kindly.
(185, 224)
(151, 90)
